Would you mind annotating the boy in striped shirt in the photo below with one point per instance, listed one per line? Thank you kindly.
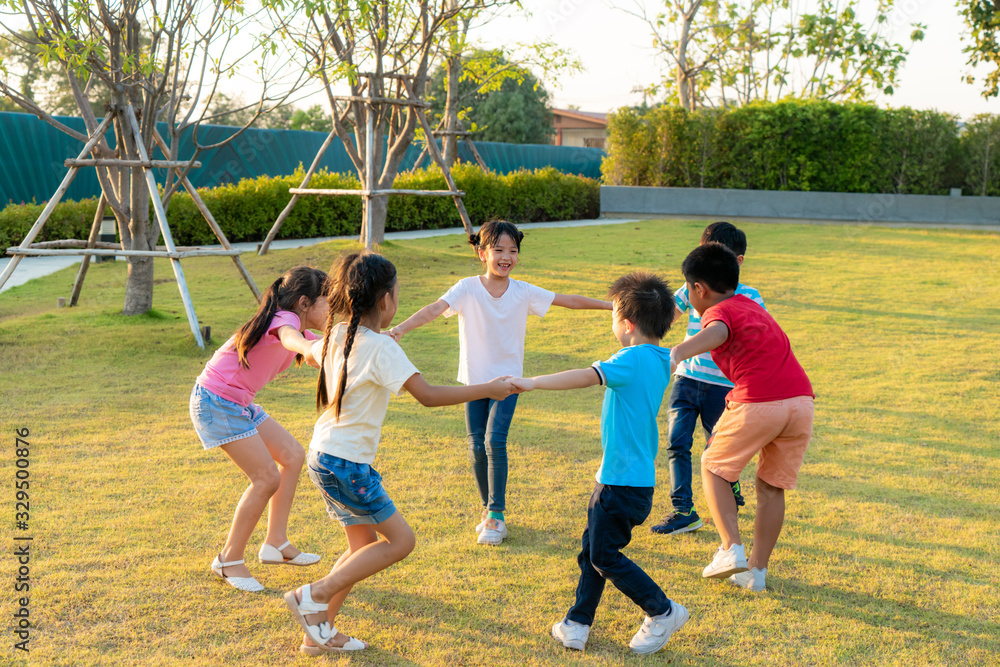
(699, 389)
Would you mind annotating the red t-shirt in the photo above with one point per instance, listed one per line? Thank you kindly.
(757, 356)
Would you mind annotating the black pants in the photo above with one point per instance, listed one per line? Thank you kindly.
(611, 515)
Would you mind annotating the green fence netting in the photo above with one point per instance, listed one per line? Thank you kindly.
(32, 153)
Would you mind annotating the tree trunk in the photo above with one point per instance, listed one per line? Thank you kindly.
(139, 284)
(450, 141)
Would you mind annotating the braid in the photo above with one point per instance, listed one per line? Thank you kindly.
(322, 396)
(358, 282)
(352, 330)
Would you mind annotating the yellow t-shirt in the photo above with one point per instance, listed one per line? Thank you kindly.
(376, 369)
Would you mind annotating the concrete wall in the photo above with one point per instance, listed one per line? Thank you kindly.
(822, 206)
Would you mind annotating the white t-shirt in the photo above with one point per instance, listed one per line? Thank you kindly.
(491, 330)
(376, 369)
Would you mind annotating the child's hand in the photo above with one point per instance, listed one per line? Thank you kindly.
(394, 333)
(311, 360)
(501, 388)
(523, 384)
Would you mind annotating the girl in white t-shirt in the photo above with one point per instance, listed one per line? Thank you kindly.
(360, 369)
(493, 314)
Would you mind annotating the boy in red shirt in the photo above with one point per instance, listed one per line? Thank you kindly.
(770, 410)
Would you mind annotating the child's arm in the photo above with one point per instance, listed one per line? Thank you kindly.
(706, 340)
(577, 379)
(577, 302)
(431, 396)
(293, 341)
(419, 319)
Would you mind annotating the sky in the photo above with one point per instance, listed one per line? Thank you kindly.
(616, 51)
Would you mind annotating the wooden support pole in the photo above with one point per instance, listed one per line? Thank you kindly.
(380, 100)
(210, 219)
(95, 231)
(166, 254)
(168, 239)
(436, 154)
(475, 154)
(295, 197)
(379, 193)
(369, 184)
(43, 218)
(135, 164)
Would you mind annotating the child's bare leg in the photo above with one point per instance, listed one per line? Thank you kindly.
(357, 537)
(363, 563)
(722, 505)
(767, 524)
(252, 457)
(289, 455)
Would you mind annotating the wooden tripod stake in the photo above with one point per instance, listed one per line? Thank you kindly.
(367, 191)
(90, 246)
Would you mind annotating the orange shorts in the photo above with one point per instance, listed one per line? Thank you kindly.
(779, 430)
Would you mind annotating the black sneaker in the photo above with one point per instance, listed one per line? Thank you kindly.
(737, 495)
(678, 522)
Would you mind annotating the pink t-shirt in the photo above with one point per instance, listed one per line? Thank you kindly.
(757, 356)
(224, 376)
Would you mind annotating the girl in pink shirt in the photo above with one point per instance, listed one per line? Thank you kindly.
(225, 416)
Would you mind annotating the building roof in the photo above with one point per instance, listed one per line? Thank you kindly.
(591, 116)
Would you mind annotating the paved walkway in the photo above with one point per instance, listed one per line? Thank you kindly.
(35, 267)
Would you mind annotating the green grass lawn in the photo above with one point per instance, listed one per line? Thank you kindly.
(890, 549)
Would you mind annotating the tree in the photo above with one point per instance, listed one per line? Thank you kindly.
(488, 69)
(722, 53)
(514, 111)
(314, 119)
(982, 17)
(164, 61)
(383, 50)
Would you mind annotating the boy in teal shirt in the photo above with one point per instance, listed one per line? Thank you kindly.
(636, 378)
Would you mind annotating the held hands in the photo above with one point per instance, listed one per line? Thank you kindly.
(523, 384)
(501, 388)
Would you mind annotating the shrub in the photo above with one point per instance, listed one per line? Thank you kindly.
(247, 210)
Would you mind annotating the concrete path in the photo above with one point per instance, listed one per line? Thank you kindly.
(36, 267)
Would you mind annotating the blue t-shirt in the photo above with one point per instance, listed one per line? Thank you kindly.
(635, 378)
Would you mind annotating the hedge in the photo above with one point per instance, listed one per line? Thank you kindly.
(803, 145)
(247, 210)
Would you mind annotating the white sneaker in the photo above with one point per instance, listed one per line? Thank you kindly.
(655, 631)
(572, 634)
(726, 562)
(752, 580)
(493, 533)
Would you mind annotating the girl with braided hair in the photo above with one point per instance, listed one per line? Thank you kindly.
(225, 416)
(360, 369)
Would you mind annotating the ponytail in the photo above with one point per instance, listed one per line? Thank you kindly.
(358, 282)
(283, 294)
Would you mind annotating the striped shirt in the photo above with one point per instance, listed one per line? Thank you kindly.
(701, 367)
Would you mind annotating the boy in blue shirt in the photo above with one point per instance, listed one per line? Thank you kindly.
(636, 378)
(699, 389)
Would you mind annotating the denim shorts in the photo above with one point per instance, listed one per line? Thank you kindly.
(218, 421)
(352, 491)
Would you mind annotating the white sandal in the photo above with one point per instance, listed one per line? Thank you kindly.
(319, 634)
(247, 584)
(269, 555)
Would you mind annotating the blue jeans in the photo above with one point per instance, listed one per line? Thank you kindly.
(612, 513)
(689, 399)
(487, 422)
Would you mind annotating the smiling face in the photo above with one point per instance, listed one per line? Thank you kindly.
(500, 258)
